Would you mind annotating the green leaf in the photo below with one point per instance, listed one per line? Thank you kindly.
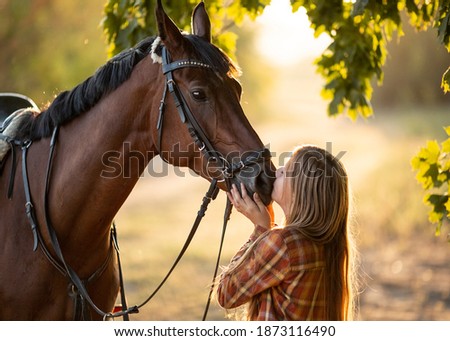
(446, 146)
(443, 29)
(432, 176)
(445, 84)
(254, 7)
(439, 209)
(447, 130)
(296, 4)
(431, 153)
(358, 7)
(438, 202)
(426, 162)
(433, 172)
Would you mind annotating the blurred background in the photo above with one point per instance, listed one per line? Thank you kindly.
(48, 46)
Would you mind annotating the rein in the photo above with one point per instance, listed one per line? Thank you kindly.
(78, 287)
(205, 146)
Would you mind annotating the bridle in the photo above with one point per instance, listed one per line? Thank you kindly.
(77, 285)
(205, 146)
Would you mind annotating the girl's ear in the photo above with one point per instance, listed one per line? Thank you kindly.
(201, 25)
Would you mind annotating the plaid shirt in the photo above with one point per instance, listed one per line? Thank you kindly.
(285, 272)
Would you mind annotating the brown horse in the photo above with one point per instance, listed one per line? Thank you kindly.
(66, 181)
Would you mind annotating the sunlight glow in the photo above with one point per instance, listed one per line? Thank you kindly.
(285, 37)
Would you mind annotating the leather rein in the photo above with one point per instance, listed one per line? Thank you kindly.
(77, 287)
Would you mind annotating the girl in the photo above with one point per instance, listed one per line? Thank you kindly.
(304, 270)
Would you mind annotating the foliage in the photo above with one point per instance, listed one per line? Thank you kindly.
(126, 22)
(432, 164)
(359, 30)
(408, 80)
(446, 81)
(44, 49)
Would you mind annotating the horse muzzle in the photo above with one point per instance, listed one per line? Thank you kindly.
(258, 179)
(255, 171)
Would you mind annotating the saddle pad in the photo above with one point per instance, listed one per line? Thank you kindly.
(10, 127)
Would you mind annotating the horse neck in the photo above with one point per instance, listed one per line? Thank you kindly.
(100, 156)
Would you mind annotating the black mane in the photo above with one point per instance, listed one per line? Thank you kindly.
(69, 104)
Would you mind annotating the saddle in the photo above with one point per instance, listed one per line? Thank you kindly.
(14, 108)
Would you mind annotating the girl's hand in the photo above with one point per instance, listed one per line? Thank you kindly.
(254, 209)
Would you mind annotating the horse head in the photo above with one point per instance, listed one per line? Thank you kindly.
(81, 157)
(201, 98)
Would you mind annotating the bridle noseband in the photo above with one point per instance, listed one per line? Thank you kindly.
(197, 133)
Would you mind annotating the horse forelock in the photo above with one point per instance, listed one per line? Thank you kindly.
(205, 52)
(212, 55)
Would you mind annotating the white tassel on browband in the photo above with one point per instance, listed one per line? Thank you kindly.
(156, 58)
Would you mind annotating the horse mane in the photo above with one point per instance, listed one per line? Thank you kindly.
(70, 104)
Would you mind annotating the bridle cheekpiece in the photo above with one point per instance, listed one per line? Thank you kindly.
(197, 133)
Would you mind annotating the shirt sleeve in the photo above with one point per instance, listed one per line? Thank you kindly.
(263, 264)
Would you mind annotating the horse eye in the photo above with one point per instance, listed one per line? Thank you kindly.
(199, 95)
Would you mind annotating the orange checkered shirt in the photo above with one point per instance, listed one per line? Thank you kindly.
(285, 272)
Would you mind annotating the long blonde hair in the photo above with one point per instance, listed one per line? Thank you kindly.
(319, 209)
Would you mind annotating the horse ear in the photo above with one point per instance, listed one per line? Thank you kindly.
(201, 24)
(168, 32)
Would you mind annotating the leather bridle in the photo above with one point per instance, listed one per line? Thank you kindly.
(77, 285)
(200, 138)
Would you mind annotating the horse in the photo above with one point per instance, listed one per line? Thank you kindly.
(174, 95)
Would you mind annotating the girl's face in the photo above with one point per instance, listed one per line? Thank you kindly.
(280, 191)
